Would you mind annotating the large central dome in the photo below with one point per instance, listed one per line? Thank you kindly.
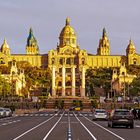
(67, 36)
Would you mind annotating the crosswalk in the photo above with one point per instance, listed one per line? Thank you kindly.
(51, 114)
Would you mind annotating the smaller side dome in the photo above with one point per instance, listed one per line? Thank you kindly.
(5, 47)
(32, 45)
(31, 40)
(130, 48)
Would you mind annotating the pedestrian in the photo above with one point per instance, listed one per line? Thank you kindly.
(139, 114)
(134, 113)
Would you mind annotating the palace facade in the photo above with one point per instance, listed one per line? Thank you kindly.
(68, 62)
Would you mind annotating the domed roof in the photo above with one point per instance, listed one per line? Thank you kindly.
(131, 45)
(67, 36)
(67, 30)
(5, 45)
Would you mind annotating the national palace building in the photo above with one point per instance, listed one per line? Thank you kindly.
(68, 62)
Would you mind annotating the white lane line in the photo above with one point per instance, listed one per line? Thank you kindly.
(32, 128)
(53, 127)
(69, 137)
(105, 129)
(85, 128)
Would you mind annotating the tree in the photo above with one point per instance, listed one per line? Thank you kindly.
(98, 78)
(4, 88)
(134, 89)
(36, 77)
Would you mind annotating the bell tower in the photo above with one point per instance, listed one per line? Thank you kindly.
(130, 48)
(104, 45)
(32, 46)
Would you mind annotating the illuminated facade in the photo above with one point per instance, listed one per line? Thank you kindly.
(68, 62)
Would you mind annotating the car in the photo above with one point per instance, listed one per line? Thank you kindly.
(72, 108)
(56, 110)
(77, 108)
(121, 117)
(8, 112)
(100, 114)
(2, 112)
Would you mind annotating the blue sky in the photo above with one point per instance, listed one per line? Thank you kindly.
(121, 18)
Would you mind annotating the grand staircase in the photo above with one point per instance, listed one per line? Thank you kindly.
(68, 102)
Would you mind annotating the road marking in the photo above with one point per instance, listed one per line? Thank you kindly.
(104, 128)
(10, 122)
(33, 128)
(69, 137)
(90, 115)
(52, 128)
(86, 128)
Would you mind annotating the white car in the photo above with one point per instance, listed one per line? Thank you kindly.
(2, 112)
(100, 114)
(8, 112)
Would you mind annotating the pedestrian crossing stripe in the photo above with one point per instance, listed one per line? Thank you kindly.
(44, 115)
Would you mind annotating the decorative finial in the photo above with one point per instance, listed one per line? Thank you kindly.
(5, 43)
(130, 41)
(5, 40)
(104, 32)
(67, 21)
(31, 31)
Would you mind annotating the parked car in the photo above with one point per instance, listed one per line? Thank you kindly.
(100, 114)
(121, 117)
(8, 112)
(2, 112)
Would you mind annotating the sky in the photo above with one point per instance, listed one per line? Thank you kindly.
(121, 18)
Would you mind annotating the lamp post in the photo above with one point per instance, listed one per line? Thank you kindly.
(124, 89)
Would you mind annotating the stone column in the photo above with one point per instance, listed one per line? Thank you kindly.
(73, 81)
(53, 81)
(63, 81)
(83, 82)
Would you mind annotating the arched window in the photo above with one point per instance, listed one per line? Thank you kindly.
(2, 61)
(83, 61)
(59, 83)
(61, 61)
(53, 60)
(68, 83)
(134, 61)
(68, 61)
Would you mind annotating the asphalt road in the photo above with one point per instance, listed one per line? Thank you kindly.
(63, 125)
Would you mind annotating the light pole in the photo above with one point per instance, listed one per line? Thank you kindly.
(124, 88)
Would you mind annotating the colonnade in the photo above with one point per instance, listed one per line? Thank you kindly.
(73, 85)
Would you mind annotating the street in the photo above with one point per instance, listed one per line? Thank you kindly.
(64, 125)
